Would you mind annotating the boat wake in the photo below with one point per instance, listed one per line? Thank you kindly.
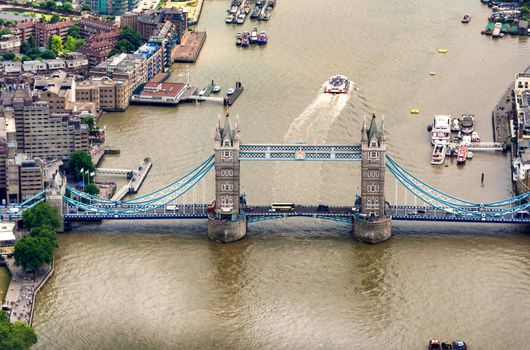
(313, 124)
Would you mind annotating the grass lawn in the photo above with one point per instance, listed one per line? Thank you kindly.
(4, 283)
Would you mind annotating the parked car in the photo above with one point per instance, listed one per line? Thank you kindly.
(323, 207)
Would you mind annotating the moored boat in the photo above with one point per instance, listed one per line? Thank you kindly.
(455, 125)
(497, 30)
(475, 137)
(262, 38)
(467, 125)
(462, 155)
(247, 9)
(241, 18)
(265, 16)
(272, 3)
(434, 344)
(229, 19)
(255, 13)
(337, 84)
(254, 36)
(238, 39)
(466, 18)
(441, 129)
(216, 88)
(438, 153)
(245, 39)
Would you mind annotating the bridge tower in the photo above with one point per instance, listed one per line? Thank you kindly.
(227, 224)
(374, 225)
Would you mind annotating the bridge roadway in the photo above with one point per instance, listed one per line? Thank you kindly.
(261, 213)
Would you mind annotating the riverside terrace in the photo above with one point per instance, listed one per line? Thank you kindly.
(228, 216)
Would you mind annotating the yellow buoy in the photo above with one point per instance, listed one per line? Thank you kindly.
(432, 73)
(442, 51)
(414, 111)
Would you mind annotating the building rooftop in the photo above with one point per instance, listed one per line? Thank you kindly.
(162, 89)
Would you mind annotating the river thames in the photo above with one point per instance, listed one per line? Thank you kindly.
(302, 284)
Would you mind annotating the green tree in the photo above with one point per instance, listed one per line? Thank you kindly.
(31, 253)
(46, 232)
(85, 7)
(91, 189)
(9, 56)
(47, 54)
(55, 18)
(15, 336)
(72, 43)
(56, 44)
(88, 120)
(5, 31)
(80, 160)
(67, 6)
(131, 36)
(32, 42)
(524, 11)
(74, 31)
(41, 215)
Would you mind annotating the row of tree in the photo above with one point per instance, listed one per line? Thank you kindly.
(15, 336)
(35, 250)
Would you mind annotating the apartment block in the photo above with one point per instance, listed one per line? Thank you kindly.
(9, 43)
(43, 31)
(107, 94)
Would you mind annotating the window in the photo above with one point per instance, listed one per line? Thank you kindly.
(373, 155)
(227, 172)
(226, 154)
(372, 188)
(227, 187)
(373, 173)
(372, 203)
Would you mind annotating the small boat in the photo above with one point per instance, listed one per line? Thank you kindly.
(462, 155)
(469, 155)
(459, 345)
(337, 84)
(216, 89)
(260, 3)
(442, 51)
(272, 3)
(414, 111)
(434, 344)
(432, 73)
(255, 13)
(247, 9)
(245, 39)
(229, 19)
(229, 92)
(438, 153)
(441, 129)
(466, 18)
(241, 18)
(262, 38)
(202, 92)
(238, 39)
(254, 36)
(265, 16)
(447, 346)
(497, 30)
(467, 123)
(475, 137)
(455, 125)
(465, 140)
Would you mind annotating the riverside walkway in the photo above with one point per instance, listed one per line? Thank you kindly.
(23, 289)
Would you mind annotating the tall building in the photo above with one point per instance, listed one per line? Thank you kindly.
(107, 94)
(373, 148)
(24, 178)
(52, 136)
(226, 148)
(91, 26)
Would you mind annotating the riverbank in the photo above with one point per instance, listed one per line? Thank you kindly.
(23, 289)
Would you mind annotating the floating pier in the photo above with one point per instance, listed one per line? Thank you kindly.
(136, 177)
(230, 99)
(188, 51)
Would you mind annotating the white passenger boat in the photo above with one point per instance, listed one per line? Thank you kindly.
(455, 125)
(467, 123)
(337, 84)
(438, 153)
(441, 129)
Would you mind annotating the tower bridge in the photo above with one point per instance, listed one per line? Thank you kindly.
(370, 214)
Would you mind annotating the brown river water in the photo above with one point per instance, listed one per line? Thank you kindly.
(304, 284)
